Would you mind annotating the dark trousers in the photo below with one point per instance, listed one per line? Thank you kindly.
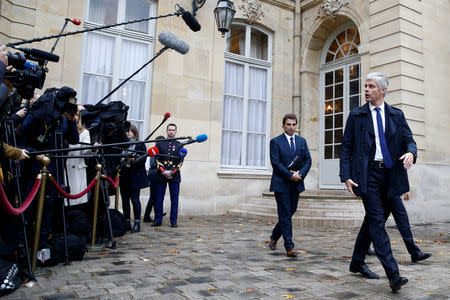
(286, 207)
(151, 204)
(128, 194)
(174, 189)
(376, 204)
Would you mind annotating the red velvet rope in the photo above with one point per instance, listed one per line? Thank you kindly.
(62, 192)
(17, 211)
(113, 183)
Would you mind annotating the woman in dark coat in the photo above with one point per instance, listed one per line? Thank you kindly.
(133, 178)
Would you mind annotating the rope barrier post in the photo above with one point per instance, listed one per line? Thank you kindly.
(117, 190)
(40, 207)
(96, 195)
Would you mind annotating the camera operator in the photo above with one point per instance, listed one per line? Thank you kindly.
(49, 125)
(3, 61)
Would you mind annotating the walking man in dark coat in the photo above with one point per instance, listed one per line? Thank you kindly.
(377, 149)
(291, 161)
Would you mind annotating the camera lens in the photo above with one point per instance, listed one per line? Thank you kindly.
(17, 60)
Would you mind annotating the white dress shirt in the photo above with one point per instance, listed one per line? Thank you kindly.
(289, 139)
(378, 154)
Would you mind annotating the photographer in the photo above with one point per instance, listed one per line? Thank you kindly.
(49, 125)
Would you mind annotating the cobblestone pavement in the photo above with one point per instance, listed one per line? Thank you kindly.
(224, 257)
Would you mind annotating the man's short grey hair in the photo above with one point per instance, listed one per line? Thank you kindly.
(381, 80)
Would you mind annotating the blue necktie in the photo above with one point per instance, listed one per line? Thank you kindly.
(384, 149)
(292, 146)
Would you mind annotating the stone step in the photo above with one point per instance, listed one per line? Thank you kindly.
(313, 203)
(318, 196)
(306, 221)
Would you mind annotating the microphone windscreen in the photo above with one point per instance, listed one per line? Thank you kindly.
(201, 138)
(172, 42)
(182, 152)
(191, 21)
(44, 55)
(167, 115)
(76, 21)
(153, 151)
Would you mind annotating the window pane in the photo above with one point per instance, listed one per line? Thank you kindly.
(341, 37)
(132, 94)
(258, 84)
(354, 72)
(258, 44)
(330, 57)
(329, 122)
(137, 9)
(351, 34)
(338, 136)
(354, 50)
(338, 105)
(236, 40)
(338, 75)
(234, 79)
(339, 54)
(329, 93)
(354, 102)
(231, 148)
(329, 137)
(338, 121)
(256, 118)
(133, 56)
(328, 78)
(99, 54)
(333, 47)
(103, 11)
(329, 107)
(338, 91)
(328, 152)
(256, 149)
(95, 88)
(232, 113)
(354, 87)
(337, 151)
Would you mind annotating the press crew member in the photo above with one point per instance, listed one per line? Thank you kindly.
(168, 163)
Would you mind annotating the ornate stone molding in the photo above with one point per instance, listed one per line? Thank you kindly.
(329, 8)
(251, 9)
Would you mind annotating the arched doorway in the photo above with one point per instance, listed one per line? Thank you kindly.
(340, 84)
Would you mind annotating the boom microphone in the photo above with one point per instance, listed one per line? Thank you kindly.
(153, 151)
(199, 139)
(40, 54)
(74, 21)
(190, 20)
(172, 42)
(166, 115)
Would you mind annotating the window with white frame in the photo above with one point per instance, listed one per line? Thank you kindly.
(111, 55)
(246, 101)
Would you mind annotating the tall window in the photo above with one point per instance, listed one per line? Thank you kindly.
(246, 101)
(111, 55)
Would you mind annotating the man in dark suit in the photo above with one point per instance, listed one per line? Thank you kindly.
(291, 161)
(168, 163)
(377, 149)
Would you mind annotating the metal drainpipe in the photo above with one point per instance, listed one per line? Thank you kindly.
(296, 93)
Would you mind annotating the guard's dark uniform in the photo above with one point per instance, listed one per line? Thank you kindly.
(168, 159)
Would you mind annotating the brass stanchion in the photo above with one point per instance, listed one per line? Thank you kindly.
(40, 207)
(96, 195)
(117, 190)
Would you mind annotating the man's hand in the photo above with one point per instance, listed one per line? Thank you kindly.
(296, 177)
(406, 196)
(167, 174)
(24, 155)
(408, 159)
(350, 184)
(21, 113)
(3, 55)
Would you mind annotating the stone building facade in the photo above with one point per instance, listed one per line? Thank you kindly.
(308, 57)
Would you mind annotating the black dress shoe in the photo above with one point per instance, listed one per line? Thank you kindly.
(156, 224)
(136, 227)
(420, 256)
(272, 244)
(148, 220)
(173, 225)
(397, 282)
(364, 270)
(291, 252)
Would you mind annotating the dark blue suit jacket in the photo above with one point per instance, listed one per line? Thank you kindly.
(281, 157)
(358, 145)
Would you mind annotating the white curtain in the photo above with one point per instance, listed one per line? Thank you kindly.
(137, 9)
(258, 45)
(98, 67)
(103, 11)
(233, 105)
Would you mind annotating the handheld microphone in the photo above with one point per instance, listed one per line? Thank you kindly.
(198, 139)
(166, 115)
(74, 21)
(183, 152)
(172, 42)
(153, 151)
(40, 54)
(190, 20)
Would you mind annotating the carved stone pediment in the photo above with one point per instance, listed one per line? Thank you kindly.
(251, 9)
(329, 8)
